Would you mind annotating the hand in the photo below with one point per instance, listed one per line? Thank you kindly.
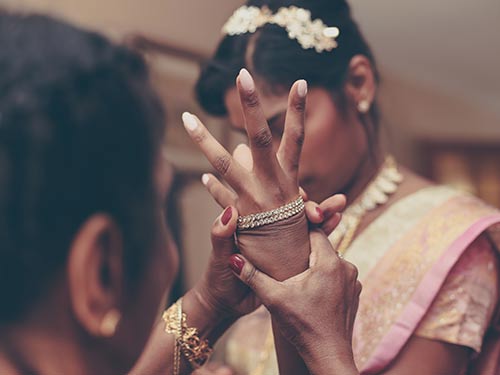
(271, 182)
(219, 290)
(325, 215)
(314, 310)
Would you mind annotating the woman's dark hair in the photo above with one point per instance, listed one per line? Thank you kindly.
(279, 61)
(80, 129)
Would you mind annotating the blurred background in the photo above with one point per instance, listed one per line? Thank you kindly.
(440, 95)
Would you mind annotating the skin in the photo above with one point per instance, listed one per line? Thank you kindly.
(336, 158)
(63, 332)
(271, 183)
(67, 320)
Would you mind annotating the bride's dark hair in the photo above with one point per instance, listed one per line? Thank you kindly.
(279, 61)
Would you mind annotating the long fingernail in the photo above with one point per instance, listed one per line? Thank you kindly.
(246, 81)
(204, 179)
(226, 216)
(302, 88)
(236, 263)
(189, 121)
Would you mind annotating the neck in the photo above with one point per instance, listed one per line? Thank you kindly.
(47, 349)
(366, 171)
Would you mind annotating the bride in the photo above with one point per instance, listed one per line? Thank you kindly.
(427, 255)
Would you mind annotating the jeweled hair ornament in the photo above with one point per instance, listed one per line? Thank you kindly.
(296, 21)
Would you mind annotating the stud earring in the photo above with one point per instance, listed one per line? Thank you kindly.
(364, 106)
(110, 322)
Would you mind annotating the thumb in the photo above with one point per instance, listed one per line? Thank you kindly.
(263, 285)
(223, 230)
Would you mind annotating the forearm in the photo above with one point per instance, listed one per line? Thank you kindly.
(281, 250)
(290, 361)
(325, 357)
(158, 356)
(334, 368)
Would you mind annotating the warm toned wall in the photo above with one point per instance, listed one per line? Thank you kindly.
(439, 61)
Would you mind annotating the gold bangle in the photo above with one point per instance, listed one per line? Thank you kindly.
(196, 350)
(269, 217)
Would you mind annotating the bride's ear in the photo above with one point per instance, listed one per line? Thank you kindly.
(96, 276)
(360, 86)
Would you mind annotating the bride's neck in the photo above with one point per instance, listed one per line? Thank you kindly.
(365, 172)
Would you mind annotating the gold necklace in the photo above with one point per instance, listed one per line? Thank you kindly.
(376, 194)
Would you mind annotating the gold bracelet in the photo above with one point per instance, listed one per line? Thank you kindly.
(196, 350)
(269, 217)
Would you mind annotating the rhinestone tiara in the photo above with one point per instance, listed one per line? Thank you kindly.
(296, 21)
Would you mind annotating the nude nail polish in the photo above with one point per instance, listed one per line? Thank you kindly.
(246, 81)
(189, 121)
(204, 179)
(302, 88)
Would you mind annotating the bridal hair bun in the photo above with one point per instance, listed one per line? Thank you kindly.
(279, 60)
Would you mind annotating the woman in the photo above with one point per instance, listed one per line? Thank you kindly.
(426, 254)
(86, 260)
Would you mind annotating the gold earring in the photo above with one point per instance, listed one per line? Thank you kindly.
(110, 322)
(364, 106)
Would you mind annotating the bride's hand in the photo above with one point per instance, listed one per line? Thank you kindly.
(271, 182)
(325, 215)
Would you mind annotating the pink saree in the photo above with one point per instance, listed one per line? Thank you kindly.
(404, 257)
(410, 273)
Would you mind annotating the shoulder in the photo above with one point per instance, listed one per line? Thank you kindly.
(464, 306)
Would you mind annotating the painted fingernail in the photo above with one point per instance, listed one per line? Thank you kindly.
(226, 216)
(320, 213)
(246, 81)
(302, 88)
(189, 121)
(236, 263)
(204, 179)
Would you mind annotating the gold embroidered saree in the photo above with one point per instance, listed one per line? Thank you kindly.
(416, 262)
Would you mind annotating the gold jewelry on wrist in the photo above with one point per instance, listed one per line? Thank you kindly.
(269, 217)
(188, 342)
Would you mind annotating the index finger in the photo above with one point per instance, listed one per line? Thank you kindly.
(216, 154)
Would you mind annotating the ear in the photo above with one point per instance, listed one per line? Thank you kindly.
(360, 86)
(96, 276)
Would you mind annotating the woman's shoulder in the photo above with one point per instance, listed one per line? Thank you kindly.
(419, 193)
(462, 311)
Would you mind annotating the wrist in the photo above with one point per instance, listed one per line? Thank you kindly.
(280, 250)
(203, 314)
(328, 359)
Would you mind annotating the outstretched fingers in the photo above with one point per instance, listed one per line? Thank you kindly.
(293, 134)
(219, 192)
(259, 135)
(216, 154)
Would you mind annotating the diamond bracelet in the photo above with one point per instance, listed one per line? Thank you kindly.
(269, 217)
